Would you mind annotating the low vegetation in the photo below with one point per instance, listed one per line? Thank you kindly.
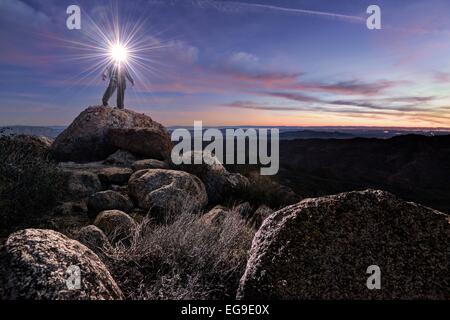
(184, 258)
(29, 183)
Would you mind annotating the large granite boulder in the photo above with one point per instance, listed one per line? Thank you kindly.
(86, 139)
(322, 249)
(153, 142)
(219, 182)
(167, 190)
(36, 264)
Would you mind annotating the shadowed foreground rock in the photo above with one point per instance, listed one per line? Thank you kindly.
(34, 266)
(321, 249)
(86, 138)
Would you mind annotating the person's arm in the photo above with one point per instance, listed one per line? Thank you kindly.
(106, 72)
(129, 77)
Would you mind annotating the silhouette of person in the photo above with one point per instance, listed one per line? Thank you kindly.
(117, 74)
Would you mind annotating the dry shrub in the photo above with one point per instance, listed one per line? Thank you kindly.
(184, 258)
(30, 184)
(265, 190)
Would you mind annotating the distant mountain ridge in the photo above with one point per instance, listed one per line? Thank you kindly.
(286, 132)
(49, 132)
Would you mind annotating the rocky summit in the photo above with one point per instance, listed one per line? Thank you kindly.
(321, 249)
(146, 228)
(100, 131)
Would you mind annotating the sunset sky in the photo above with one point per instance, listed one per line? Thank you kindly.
(253, 62)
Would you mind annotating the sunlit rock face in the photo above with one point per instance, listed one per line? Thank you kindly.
(100, 131)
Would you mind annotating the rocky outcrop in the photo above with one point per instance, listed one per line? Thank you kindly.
(117, 225)
(321, 249)
(108, 200)
(167, 190)
(218, 181)
(153, 142)
(88, 139)
(35, 264)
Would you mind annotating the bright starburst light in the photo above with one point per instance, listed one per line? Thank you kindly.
(110, 36)
(119, 53)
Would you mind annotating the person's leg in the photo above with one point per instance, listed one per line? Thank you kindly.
(109, 92)
(120, 95)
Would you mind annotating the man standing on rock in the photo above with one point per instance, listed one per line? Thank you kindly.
(117, 74)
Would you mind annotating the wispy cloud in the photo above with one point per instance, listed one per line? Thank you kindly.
(244, 7)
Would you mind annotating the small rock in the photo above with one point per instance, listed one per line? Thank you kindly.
(81, 184)
(94, 238)
(167, 191)
(219, 183)
(114, 175)
(70, 208)
(117, 225)
(108, 200)
(215, 216)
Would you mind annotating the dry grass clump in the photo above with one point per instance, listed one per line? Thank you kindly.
(183, 258)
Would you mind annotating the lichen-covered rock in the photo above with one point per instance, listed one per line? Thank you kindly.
(35, 263)
(108, 200)
(86, 138)
(94, 238)
(117, 225)
(121, 158)
(219, 182)
(321, 249)
(167, 191)
(149, 164)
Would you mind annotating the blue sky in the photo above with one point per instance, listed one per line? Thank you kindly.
(287, 62)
